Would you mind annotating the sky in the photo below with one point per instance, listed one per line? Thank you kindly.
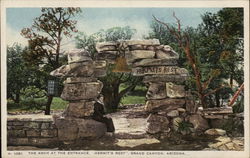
(92, 20)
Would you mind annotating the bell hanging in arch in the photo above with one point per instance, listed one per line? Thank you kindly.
(121, 65)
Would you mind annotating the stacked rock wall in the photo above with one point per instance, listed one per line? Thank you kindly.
(31, 130)
(82, 89)
(166, 96)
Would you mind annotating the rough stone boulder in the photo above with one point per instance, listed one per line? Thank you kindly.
(72, 80)
(81, 91)
(156, 124)
(191, 106)
(155, 62)
(166, 55)
(173, 113)
(150, 42)
(61, 71)
(81, 69)
(134, 55)
(181, 110)
(165, 52)
(156, 91)
(199, 123)
(134, 44)
(70, 129)
(221, 143)
(175, 91)
(164, 104)
(100, 68)
(78, 55)
(80, 64)
(106, 46)
(80, 109)
(108, 56)
(225, 143)
(215, 132)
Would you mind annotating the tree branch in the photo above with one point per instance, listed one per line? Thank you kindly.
(172, 31)
(123, 92)
(236, 95)
(53, 35)
(205, 84)
(51, 46)
(213, 91)
(48, 57)
(178, 22)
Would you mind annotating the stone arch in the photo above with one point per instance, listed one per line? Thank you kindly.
(157, 64)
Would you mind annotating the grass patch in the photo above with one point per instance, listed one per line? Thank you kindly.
(137, 88)
(36, 104)
(137, 96)
(58, 104)
(133, 100)
(25, 105)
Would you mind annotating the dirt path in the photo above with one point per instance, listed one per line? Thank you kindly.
(130, 123)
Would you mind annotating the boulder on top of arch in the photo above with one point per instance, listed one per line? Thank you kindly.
(136, 51)
(132, 44)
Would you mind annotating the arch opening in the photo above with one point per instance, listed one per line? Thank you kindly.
(156, 64)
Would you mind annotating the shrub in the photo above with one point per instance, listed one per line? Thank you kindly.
(31, 92)
(184, 127)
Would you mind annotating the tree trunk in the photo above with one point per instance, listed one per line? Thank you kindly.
(115, 103)
(110, 102)
(49, 101)
(217, 99)
(111, 97)
(17, 99)
(202, 100)
(231, 81)
(116, 99)
(211, 101)
(107, 100)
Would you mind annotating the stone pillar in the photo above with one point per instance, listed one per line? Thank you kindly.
(82, 90)
(166, 92)
(166, 96)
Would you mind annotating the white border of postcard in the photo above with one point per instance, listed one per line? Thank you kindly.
(120, 3)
